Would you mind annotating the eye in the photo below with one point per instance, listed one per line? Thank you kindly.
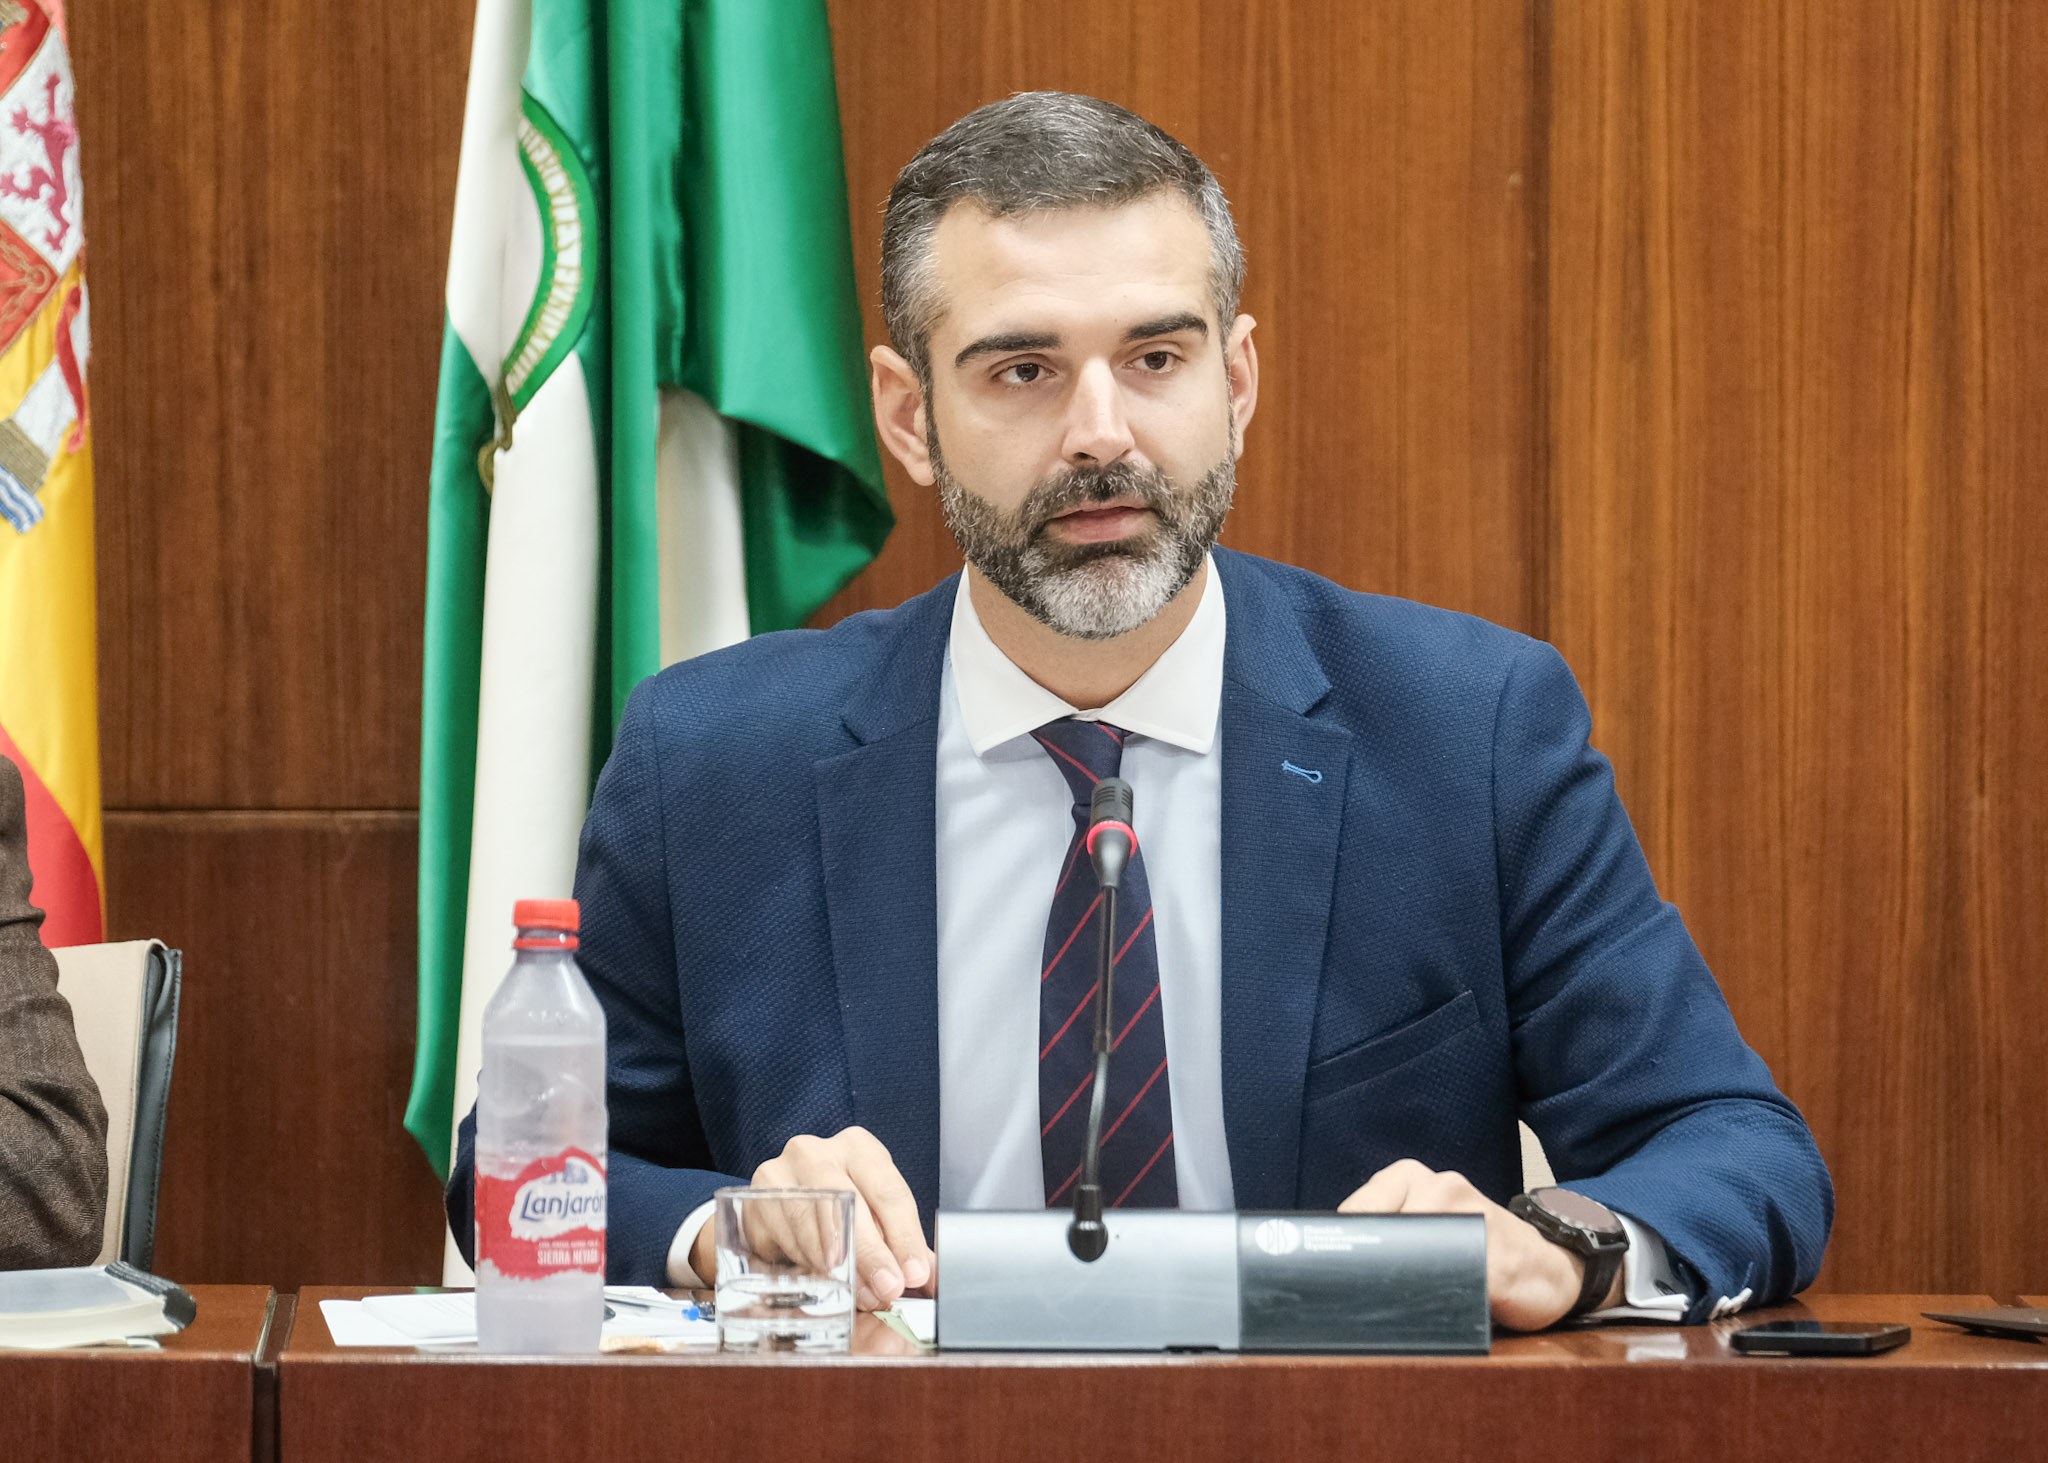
(1157, 362)
(1020, 373)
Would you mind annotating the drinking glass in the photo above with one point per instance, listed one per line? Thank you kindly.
(785, 1269)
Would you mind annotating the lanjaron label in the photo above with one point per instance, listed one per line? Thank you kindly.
(547, 1220)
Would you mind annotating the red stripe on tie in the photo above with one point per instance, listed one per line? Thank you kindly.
(1070, 1020)
(1054, 1197)
(1070, 939)
(1067, 1104)
(1129, 1105)
(1068, 872)
(1106, 731)
(1141, 1173)
(1128, 1024)
(1118, 959)
(1086, 772)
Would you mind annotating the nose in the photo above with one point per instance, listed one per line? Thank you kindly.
(1098, 433)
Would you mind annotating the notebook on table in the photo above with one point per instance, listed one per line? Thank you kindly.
(88, 1305)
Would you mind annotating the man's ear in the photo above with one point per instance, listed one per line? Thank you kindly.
(900, 412)
(1241, 360)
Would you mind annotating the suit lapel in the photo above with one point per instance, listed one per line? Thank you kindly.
(877, 823)
(1284, 781)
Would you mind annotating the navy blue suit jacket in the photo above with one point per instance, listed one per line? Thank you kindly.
(1453, 928)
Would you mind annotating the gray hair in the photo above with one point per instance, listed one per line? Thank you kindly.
(1037, 150)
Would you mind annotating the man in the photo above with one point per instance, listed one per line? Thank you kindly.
(53, 1128)
(1385, 899)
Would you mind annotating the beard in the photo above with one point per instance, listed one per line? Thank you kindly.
(1090, 591)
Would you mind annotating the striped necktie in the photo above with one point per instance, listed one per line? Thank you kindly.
(1137, 1124)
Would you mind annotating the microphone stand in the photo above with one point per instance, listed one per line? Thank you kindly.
(1111, 843)
(1087, 1236)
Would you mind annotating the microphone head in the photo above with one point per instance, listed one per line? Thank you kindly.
(1111, 839)
(1111, 802)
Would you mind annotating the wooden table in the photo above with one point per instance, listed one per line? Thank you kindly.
(195, 1401)
(1622, 1393)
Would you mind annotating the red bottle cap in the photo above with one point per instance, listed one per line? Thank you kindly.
(547, 914)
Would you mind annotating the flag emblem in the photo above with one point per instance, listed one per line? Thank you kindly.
(40, 235)
(49, 711)
(562, 301)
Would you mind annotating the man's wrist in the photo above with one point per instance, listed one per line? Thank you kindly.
(704, 1252)
(1579, 1304)
(684, 1255)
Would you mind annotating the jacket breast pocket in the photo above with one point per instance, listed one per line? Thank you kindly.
(1378, 1055)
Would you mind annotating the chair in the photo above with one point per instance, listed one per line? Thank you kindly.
(1535, 1163)
(124, 1003)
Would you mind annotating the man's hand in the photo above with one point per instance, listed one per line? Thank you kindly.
(1530, 1282)
(889, 1252)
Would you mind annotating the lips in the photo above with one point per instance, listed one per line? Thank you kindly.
(1101, 522)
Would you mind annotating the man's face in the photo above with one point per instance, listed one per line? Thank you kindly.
(1079, 414)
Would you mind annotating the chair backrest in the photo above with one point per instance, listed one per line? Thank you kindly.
(124, 1002)
(1535, 1164)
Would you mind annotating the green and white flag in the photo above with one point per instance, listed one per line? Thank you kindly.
(652, 436)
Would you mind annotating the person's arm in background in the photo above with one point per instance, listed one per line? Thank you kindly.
(659, 1169)
(1628, 1062)
(53, 1127)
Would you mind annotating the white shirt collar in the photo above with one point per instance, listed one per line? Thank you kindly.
(1176, 701)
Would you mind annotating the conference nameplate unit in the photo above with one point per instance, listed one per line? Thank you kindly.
(1172, 1280)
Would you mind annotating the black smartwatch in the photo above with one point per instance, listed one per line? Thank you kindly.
(1586, 1228)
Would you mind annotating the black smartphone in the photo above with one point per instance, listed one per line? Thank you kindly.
(1820, 1338)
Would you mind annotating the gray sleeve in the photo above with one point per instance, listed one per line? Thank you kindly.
(53, 1127)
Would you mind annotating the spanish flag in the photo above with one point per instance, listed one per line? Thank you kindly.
(49, 701)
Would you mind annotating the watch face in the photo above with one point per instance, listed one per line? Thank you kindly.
(1587, 1214)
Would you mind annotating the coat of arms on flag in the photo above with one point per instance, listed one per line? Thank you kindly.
(49, 701)
(43, 328)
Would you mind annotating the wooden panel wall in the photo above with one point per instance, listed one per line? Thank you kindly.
(1797, 291)
(267, 210)
(283, 1150)
(1701, 337)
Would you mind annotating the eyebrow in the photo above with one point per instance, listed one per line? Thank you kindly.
(1015, 340)
(1168, 325)
(1021, 340)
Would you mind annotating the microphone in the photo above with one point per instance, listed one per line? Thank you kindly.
(1111, 843)
(1111, 840)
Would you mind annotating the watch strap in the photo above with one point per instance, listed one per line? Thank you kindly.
(1601, 1268)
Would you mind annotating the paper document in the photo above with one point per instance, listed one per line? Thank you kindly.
(425, 1320)
(921, 1315)
(350, 1325)
(449, 1319)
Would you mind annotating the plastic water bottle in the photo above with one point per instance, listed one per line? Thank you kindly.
(541, 1146)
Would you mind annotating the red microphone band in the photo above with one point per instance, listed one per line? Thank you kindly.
(1124, 828)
